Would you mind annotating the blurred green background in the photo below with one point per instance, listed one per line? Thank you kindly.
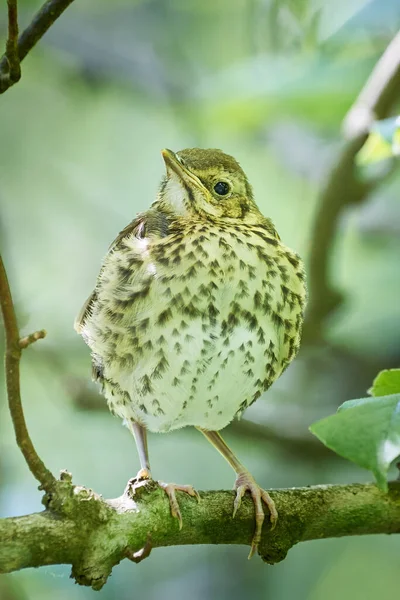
(268, 81)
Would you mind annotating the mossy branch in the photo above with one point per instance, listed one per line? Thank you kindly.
(93, 535)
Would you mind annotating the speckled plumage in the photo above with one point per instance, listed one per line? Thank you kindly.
(192, 319)
(197, 310)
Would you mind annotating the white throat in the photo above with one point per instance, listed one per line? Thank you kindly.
(176, 195)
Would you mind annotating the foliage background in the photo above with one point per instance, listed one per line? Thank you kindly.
(108, 87)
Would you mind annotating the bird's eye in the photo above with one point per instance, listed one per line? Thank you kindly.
(222, 188)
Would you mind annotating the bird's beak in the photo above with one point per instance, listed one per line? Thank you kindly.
(174, 166)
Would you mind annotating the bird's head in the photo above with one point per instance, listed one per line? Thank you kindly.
(208, 184)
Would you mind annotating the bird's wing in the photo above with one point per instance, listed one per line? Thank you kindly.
(152, 223)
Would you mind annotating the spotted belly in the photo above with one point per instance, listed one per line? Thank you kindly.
(194, 342)
(200, 378)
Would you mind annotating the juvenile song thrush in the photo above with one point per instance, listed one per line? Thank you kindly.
(197, 309)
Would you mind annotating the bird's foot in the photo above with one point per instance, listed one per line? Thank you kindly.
(170, 489)
(143, 478)
(245, 482)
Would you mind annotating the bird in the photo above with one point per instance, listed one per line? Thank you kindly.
(197, 310)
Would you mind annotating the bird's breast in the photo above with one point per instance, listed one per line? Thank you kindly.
(191, 329)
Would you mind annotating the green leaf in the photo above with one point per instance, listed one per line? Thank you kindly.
(382, 142)
(385, 383)
(365, 431)
(357, 402)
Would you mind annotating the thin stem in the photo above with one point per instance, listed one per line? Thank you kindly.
(11, 58)
(12, 41)
(41, 22)
(12, 360)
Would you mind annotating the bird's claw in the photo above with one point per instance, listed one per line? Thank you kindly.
(170, 489)
(245, 482)
(143, 478)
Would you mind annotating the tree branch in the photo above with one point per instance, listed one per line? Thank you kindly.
(12, 359)
(94, 535)
(15, 52)
(343, 187)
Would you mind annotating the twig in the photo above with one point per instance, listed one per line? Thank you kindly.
(32, 338)
(41, 22)
(378, 94)
(343, 187)
(12, 360)
(93, 535)
(11, 55)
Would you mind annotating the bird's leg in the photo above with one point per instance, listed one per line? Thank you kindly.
(245, 482)
(140, 434)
